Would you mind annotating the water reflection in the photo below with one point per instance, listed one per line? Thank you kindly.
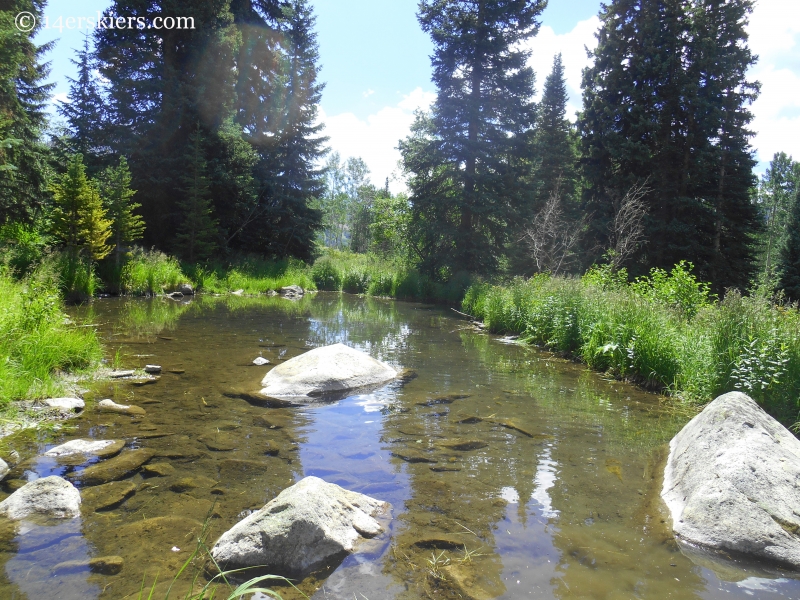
(512, 473)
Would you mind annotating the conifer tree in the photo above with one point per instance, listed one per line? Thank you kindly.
(126, 225)
(95, 227)
(553, 144)
(468, 160)
(197, 234)
(23, 100)
(84, 112)
(71, 193)
(666, 101)
(789, 258)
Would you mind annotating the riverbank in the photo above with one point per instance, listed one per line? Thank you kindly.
(665, 333)
(42, 352)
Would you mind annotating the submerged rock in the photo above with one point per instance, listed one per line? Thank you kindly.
(463, 445)
(115, 468)
(108, 495)
(124, 409)
(219, 442)
(65, 403)
(731, 483)
(100, 448)
(328, 369)
(49, 496)
(309, 525)
(103, 565)
(158, 469)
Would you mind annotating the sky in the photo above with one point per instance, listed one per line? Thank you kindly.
(375, 61)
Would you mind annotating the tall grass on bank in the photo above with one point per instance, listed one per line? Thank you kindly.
(252, 275)
(373, 276)
(665, 332)
(150, 272)
(37, 342)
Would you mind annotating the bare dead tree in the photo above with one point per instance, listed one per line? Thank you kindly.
(627, 228)
(552, 238)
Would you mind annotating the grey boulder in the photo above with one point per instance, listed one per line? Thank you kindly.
(65, 403)
(4, 469)
(101, 448)
(186, 289)
(309, 525)
(291, 292)
(732, 483)
(325, 370)
(49, 496)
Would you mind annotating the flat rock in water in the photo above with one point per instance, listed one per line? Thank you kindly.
(108, 495)
(124, 409)
(219, 442)
(49, 496)
(80, 446)
(120, 374)
(103, 565)
(186, 484)
(731, 483)
(325, 370)
(152, 368)
(115, 468)
(65, 403)
(309, 525)
(158, 469)
(241, 466)
(260, 361)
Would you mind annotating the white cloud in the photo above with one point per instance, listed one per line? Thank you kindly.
(368, 93)
(775, 37)
(572, 46)
(375, 139)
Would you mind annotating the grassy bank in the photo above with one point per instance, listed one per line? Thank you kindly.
(665, 332)
(38, 344)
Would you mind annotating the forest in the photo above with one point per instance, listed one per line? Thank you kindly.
(198, 156)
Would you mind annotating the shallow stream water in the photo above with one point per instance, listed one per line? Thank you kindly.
(511, 473)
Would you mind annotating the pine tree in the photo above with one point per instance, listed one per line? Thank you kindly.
(94, 226)
(197, 234)
(776, 193)
(71, 193)
(85, 113)
(126, 225)
(789, 257)
(553, 144)
(468, 160)
(666, 102)
(23, 101)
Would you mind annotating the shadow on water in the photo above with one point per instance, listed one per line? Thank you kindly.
(512, 473)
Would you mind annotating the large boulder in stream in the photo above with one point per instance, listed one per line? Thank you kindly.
(732, 483)
(48, 496)
(308, 526)
(325, 370)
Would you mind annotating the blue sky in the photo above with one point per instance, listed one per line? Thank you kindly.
(375, 62)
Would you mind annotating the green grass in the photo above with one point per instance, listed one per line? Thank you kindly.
(665, 333)
(37, 341)
(252, 275)
(150, 272)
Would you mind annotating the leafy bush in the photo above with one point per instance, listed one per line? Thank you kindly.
(678, 288)
(356, 282)
(326, 276)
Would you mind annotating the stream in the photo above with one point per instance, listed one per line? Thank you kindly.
(511, 473)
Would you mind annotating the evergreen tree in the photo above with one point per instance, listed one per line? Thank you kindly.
(126, 225)
(467, 161)
(776, 193)
(197, 234)
(666, 102)
(23, 100)
(95, 227)
(71, 193)
(789, 258)
(84, 113)
(553, 144)
(289, 144)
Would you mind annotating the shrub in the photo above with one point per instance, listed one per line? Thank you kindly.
(356, 282)
(150, 272)
(326, 276)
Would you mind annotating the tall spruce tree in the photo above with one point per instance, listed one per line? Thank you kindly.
(789, 257)
(776, 193)
(666, 102)
(553, 142)
(70, 195)
(126, 226)
(197, 233)
(467, 161)
(23, 100)
(84, 112)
